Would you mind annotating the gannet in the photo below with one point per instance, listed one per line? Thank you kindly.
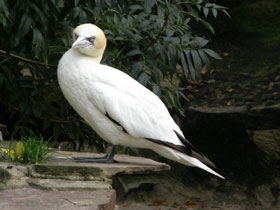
(117, 107)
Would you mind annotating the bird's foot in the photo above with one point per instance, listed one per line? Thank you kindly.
(93, 160)
(104, 159)
(108, 158)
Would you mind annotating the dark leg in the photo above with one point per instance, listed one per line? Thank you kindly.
(108, 158)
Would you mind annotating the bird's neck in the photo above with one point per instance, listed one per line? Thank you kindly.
(95, 55)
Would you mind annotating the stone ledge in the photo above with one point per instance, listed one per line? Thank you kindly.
(61, 184)
(252, 118)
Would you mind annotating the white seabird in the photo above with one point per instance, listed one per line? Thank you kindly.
(117, 107)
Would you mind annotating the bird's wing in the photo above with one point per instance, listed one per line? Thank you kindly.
(125, 101)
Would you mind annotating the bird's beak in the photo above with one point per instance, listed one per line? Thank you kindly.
(81, 42)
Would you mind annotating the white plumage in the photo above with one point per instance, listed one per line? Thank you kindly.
(118, 108)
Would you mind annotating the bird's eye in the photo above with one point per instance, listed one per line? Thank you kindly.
(75, 36)
(91, 39)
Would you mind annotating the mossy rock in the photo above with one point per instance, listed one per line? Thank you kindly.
(4, 175)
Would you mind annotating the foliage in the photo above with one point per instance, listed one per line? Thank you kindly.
(259, 20)
(152, 40)
(35, 150)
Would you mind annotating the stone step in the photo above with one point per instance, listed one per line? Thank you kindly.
(61, 165)
(29, 198)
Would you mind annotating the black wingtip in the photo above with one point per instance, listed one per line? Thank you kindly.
(195, 152)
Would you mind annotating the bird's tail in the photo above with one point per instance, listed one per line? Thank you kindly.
(191, 161)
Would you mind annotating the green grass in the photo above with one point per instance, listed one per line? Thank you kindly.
(35, 150)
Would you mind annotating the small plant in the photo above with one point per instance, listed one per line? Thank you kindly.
(28, 150)
(35, 150)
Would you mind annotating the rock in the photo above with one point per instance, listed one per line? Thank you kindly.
(28, 198)
(264, 196)
(66, 146)
(126, 184)
(269, 142)
(220, 109)
(61, 184)
(13, 176)
(14, 169)
(4, 175)
(4, 130)
(87, 147)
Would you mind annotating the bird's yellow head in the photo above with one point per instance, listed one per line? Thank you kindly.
(89, 40)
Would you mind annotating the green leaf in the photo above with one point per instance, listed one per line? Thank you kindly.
(135, 7)
(148, 5)
(173, 55)
(76, 2)
(171, 97)
(196, 60)
(24, 26)
(202, 41)
(59, 3)
(134, 52)
(214, 12)
(156, 71)
(3, 8)
(207, 25)
(42, 16)
(82, 16)
(184, 64)
(137, 68)
(144, 78)
(37, 36)
(190, 64)
(205, 11)
(224, 11)
(204, 58)
(213, 54)
(156, 90)
(36, 111)
(75, 12)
